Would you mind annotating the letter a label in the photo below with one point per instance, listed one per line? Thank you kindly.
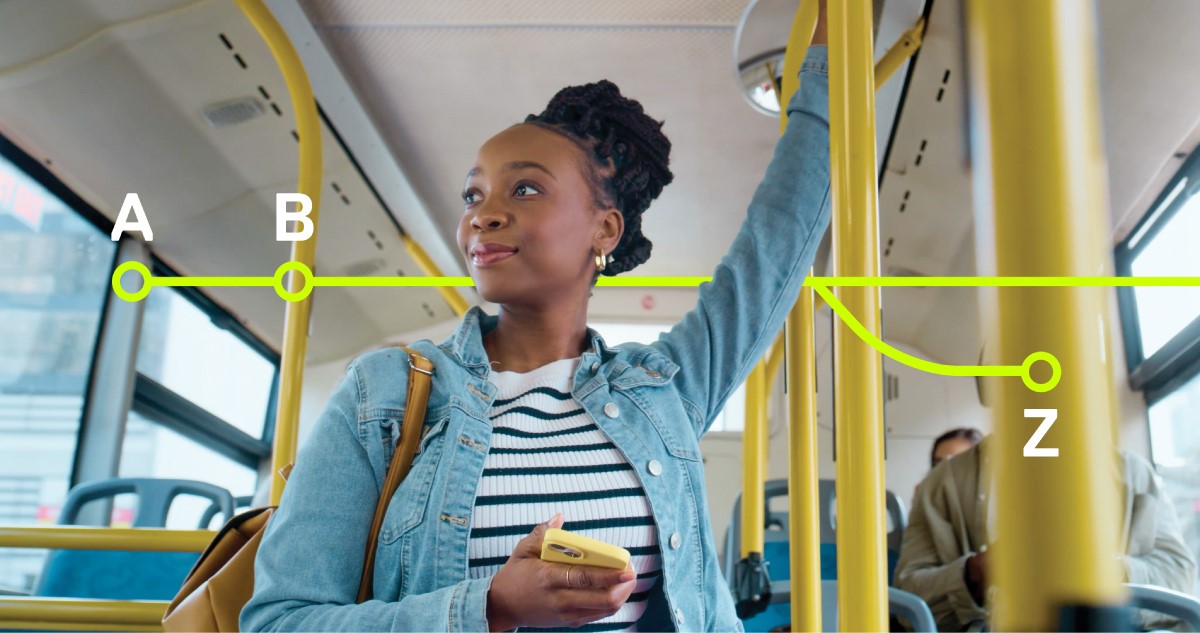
(283, 216)
(132, 204)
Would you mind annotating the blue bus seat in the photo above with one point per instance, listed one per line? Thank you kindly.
(120, 575)
(777, 524)
(776, 547)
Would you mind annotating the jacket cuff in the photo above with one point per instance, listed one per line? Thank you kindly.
(965, 607)
(816, 60)
(468, 605)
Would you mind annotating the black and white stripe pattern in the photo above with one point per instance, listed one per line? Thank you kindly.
(548, 456)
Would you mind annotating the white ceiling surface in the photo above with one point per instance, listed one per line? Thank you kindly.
(1151, 98)
(110, 94)
(440, 78)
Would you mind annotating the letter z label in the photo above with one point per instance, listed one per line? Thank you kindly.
(1031, 447)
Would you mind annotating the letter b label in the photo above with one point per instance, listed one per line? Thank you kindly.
(282, 216)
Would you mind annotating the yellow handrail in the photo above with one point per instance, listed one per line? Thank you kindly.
(899, 53)
(128, 540)
(296, 317)
(1034, 86)
(858, 408)
(456, 301)
(73, 614)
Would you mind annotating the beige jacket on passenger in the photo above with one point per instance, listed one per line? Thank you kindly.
(947, 524)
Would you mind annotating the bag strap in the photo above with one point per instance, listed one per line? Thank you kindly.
(420, 376)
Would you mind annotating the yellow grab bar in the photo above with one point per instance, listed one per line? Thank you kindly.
(754, 448)
(858, 408)
(456, 301)
(72, 614)
(899, 53)
(296, 317)
(130, 540)
(1040, 156)
(804, 534)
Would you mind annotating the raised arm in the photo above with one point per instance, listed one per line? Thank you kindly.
(308, 567)
(742, 309)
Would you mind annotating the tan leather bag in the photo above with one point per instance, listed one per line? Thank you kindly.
(222, 581)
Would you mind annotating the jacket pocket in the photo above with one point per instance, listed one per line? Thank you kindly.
(659, 406)
(407, 507)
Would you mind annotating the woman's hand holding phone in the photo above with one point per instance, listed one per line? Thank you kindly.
(529, 591)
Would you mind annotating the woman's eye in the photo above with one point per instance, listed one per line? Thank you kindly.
(525, 189)
(470, 197)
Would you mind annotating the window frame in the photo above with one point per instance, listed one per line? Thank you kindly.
(1160, 373)
(150, 399)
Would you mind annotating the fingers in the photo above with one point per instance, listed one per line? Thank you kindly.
(587, 577)
(608, 600)
(531, 545)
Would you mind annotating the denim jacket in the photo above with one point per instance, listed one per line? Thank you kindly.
(653, 402)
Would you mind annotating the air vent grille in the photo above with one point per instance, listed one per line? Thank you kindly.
(234, 112)
(364, 268)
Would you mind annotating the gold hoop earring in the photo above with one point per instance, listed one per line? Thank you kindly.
(600, 262)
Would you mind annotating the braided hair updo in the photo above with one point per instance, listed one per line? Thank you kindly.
(629, 157)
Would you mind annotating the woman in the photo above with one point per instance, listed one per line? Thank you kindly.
(533, 422)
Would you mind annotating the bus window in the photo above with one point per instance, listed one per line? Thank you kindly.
(182, 349)
(1164, 311)
(54, 268)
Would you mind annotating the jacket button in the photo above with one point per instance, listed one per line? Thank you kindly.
(655, 467)
(676, 540)
(595, 367)
(611, 410)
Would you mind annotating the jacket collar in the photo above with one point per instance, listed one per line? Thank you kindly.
(466, 344)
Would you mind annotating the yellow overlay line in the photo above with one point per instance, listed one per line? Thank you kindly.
(820, 285)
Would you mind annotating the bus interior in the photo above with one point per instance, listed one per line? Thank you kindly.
(184, 103)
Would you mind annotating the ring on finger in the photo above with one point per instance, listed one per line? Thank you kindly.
(569, 569)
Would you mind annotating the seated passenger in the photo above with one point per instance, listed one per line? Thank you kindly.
(944, 556)
(953, 442)
(533, 421)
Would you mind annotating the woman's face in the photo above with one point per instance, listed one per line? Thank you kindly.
(530, 229)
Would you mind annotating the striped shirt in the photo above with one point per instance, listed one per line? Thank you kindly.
(548, 456)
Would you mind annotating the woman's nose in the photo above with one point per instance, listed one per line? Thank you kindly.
(489, 218)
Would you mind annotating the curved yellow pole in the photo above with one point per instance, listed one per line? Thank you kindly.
(858, 408)
(295, 323)
(1035, 87)
(899, 53)
(456, 301)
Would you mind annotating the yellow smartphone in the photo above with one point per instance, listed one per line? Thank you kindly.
(561, 546)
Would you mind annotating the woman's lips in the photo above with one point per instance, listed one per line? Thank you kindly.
(490, 258)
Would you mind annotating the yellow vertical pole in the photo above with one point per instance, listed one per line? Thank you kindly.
(804, 536)
(1039, 168)
(296, 317)
(862, 585)
(804, 552)
(754, 449)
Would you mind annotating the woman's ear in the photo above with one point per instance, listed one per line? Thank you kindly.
(611, 226)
